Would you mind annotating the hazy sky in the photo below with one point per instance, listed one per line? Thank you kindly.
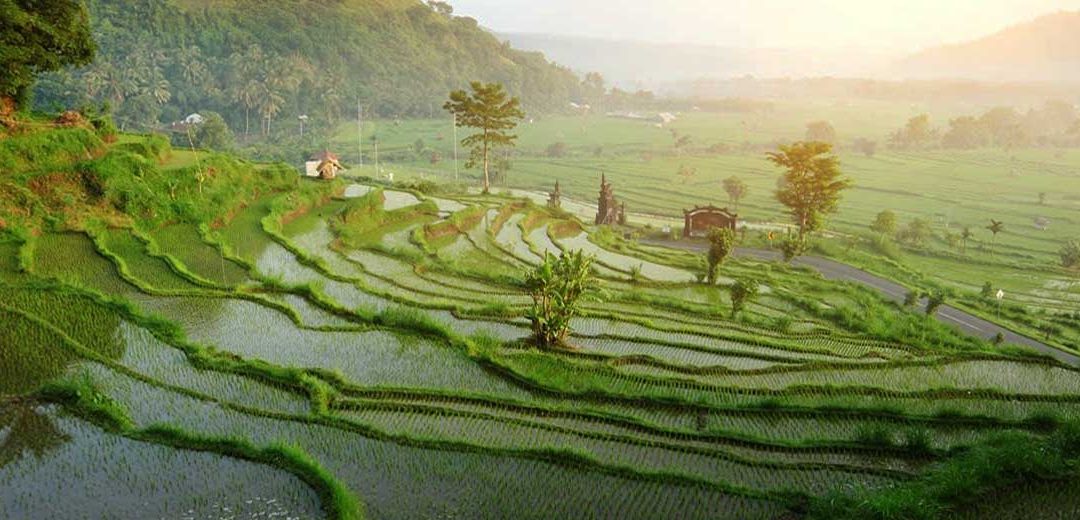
(881, 24)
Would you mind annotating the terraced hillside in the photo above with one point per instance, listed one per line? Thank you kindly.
(223, 339)
(948, 190)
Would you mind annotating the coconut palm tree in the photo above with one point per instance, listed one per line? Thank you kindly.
(995, 227)
(331, 85)
(158, 88)
(192, 68)
(270, 103)
(966, 235)
(243, 83)
(247, 95)
(147, 57)
(113, 83)
(95, 79)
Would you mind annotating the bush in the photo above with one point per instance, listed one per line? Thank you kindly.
(721, 244)
(934, 301)
(916, 232)
(994, 465)
(213, 133)
(886, 247)
(792, 246)
(866, 147)
(557, 150)
(105, 128)
(742, 292)
(556, 287)
(911, 299)
(877, 435)
(1070, 254)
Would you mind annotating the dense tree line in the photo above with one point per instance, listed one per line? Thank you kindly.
(1055, 123)
(258, 63)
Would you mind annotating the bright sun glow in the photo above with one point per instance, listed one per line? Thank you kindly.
(880, 24)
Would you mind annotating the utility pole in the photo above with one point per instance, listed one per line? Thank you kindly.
(360, 130)
(378, 171)
(455, 147)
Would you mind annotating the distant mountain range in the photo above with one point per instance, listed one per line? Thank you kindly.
(635, 64)
(1044, 49)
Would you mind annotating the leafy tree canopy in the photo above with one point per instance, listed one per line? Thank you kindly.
(884, 223)
(213, 133)
(493, 113)
(736, 190)
(39, 36)
(821, 131)
(812, 183)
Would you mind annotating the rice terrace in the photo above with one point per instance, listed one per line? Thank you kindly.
(367, 259)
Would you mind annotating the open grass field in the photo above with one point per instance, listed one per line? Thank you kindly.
(308, 349)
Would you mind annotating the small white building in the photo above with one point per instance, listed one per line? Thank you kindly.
(193, 119)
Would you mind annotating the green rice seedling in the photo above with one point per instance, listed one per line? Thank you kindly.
(313, 316)
(73, 257)
(639, 332)
(1005, 375)
(140, 478)
(388, 474)
(1027, 500)
(876, 435)
(9, 259)
(244, 235)
(150, 357)
(540, 242)
(154, 272)
(684, 356)
(625, 263)
(651, 455)
(998, 464)
(28, 357)
(510, 237)
(33, 354)
(143, 354)
(394, 200)
(186, 246)
(373, 358)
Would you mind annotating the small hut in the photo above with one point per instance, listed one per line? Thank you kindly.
(324, 165)
(698, 221)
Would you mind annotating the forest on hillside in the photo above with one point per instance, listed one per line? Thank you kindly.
(159, 61)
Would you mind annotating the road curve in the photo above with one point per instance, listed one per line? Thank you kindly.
(834, 270)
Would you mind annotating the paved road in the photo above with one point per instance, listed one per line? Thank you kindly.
(833, 270)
